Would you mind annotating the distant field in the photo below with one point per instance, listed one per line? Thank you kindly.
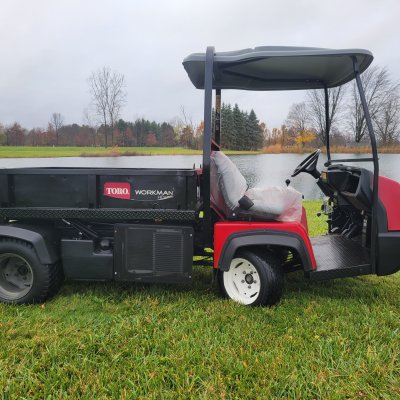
(328, 340)
(33, 152)
(365, 149)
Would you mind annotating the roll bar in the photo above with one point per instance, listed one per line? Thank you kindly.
(375, 160)
(208, 88)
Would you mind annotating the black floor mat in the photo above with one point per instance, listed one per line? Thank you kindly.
(339, 257)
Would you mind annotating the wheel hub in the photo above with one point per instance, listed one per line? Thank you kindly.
(249, 279)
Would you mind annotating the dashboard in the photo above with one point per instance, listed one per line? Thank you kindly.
(352, 183)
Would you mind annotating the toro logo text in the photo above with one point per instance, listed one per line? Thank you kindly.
(118, 190)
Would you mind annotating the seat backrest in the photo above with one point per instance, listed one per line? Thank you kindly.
(227, 183)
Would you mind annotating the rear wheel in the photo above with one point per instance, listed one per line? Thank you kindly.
(23, 278)
(252, 280)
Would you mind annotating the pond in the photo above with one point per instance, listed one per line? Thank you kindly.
(259, 170)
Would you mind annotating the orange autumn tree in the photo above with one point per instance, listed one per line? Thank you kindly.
(305, 136)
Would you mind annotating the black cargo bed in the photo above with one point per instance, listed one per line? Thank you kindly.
(98, 193)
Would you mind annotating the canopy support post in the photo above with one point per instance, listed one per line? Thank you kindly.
(205, 192)
(218, 117)
(374, 227)
(327, 124)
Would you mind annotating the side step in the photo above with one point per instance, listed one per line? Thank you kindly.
(321, 274)
(338, 257)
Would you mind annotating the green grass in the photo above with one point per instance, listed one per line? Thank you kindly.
(333, 340)
(34, 152)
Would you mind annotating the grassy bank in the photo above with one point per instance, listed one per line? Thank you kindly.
(277, 148)
(37, 152)
(34, 152)
(332, 340)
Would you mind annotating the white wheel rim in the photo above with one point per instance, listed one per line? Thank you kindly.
(16, 276)
(242, 282)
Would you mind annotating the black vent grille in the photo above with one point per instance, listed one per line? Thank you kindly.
(139, 249)
(168, 251)
(153, 253)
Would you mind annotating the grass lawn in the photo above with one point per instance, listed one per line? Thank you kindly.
(34, 152)
(333, 340)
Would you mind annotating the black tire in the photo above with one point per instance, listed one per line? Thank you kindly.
(42, 280)
(57, 279)
(270, 275)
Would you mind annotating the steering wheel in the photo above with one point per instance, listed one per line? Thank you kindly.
(309, 165)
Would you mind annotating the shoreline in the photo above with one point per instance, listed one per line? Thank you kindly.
(278, 149)
(54, 152)
(63, 151)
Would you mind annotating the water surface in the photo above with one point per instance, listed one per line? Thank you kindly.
(259, 170)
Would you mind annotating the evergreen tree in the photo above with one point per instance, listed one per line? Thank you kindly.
(168, 136)
(247, 140)
(227, 126)
(239, 131)
(255, 136)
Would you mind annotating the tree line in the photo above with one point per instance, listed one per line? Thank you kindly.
(139, 133)
(240, 130)
(305, 122)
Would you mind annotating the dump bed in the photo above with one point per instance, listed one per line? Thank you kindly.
(98, 193)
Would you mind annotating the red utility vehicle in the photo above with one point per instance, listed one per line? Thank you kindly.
(145, 225)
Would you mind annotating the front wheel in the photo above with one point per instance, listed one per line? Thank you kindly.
(252, 280)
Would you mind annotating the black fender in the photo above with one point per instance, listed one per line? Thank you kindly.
(42, 240)
(259, 237)
(389, 253)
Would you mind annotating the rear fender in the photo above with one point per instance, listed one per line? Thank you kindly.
(42, 240)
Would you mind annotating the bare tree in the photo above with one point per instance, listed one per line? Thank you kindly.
(91, 123)
(108, 96)
(387, 122)
(56, 122)
(187, 118)
(15, 135)
(316, 110)
(376, 84)
(298, 117)
(116, 100)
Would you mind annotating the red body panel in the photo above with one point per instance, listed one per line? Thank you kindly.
(304, 219)
(389, 194)
(222, 230)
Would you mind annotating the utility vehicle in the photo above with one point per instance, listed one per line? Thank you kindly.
(146, 225)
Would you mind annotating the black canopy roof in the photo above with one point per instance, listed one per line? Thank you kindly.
(278, 68)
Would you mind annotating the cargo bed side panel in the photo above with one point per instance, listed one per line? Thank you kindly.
(51, 191)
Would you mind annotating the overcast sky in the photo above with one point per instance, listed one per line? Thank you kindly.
(49, 48)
